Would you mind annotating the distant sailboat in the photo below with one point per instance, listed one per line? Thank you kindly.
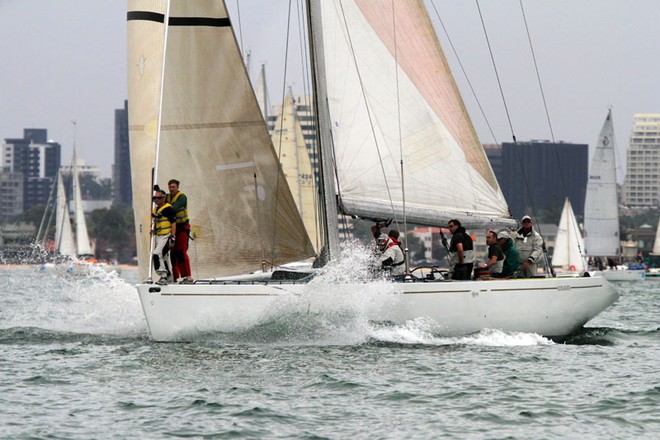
(567, 256)
(653, 269)
(601, 207)
(75, 247)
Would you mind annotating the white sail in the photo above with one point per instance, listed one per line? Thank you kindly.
(83, 246)
(569, 244)
(289, 142)
(656, 244)
(397, 100)
(63, 233)
(601, 209)
(212, 137)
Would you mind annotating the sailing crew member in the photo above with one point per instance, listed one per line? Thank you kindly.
(530, 247)
(461, 252)
(496, 256)
(164, 230)
(391, 257)
(394, 234)
(511, 258)
(180, 260)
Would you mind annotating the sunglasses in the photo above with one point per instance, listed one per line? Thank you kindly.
(158, 197)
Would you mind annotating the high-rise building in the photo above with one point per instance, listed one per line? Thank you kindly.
(38, 159)
(537, 176)
(642, 182)
(121, 170)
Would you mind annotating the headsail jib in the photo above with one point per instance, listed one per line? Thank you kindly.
(210, 127)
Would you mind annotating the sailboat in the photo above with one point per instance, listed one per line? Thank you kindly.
(194, 117)
(75, 247)
(653, 271)
(567, 257)
(601, 208)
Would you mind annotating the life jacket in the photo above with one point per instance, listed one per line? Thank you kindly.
(162, 225)
(182, 213)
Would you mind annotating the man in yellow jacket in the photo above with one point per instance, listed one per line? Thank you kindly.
(164, 231)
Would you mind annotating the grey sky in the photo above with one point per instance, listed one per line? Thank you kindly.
(66, 59)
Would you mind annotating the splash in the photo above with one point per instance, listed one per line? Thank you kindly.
(95, 302)
(420, 331)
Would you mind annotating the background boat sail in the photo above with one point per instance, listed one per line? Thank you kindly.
(64, 243)
(569, 244)
(212, 131)
(601, 207)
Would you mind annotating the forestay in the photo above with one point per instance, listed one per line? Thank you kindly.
(212, 138)
(382, 65)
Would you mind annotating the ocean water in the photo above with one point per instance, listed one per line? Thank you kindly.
(76, 362)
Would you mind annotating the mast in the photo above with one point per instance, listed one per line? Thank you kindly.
(328, 203)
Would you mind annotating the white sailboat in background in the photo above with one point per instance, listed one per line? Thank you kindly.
(194, 117)
(601, 208)
(75, 247)
(567, 257)
(653, 271)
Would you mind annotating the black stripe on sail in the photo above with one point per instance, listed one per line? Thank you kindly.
(178, 21)
(199, 21)
(145, 16)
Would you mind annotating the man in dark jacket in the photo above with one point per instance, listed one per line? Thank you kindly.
(461, 251)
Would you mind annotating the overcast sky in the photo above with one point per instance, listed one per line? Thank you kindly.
(66, 60)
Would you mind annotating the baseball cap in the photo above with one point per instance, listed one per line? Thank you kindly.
(526, 217)
(503, 234)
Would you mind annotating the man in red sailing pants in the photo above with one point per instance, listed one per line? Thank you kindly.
(179, 253)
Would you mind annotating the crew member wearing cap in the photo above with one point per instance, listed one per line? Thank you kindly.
(391, 257)
(511, 260)
(461, 252)
(530, 247)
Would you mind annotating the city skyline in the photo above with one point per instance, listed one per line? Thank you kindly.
(67, 66)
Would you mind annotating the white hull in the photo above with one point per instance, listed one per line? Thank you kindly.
(621, 275)
(548, 306)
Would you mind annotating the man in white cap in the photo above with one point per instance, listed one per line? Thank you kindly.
(530, 247)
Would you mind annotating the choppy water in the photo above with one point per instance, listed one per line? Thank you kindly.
(76, 363)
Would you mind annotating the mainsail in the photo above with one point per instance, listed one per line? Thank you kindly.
(569, 244)
(601, 209)
(190, 94)
(392, 98)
